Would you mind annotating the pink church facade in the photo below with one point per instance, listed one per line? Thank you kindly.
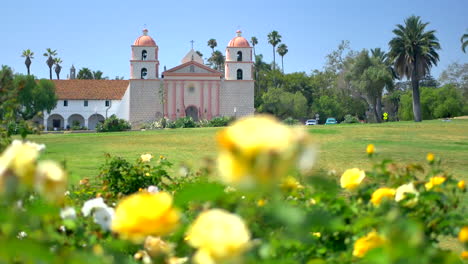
(191, 88)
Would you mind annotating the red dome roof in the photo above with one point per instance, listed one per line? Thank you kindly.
(239, 41)
(145, 40)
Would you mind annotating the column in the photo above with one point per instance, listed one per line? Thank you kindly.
(165, 101)
(174, 94)
(86, 122)
(202, 107)
(182, 99)
(46, 116)
(217, 97)
(210, 101)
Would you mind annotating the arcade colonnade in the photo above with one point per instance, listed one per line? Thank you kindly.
(57, 121)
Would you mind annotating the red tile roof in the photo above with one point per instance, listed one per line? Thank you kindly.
(90, 89)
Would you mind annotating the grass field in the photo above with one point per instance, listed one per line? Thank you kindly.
(341, 146)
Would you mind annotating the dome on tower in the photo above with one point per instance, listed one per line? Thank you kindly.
(145, 40)
(239, 41)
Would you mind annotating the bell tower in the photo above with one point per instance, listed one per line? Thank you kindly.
(144, 62)
(239, 64)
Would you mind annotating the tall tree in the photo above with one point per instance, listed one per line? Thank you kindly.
(464, 41)
(212, 44)
(85, 73)
(274, 38)
(370, 76)
(28, 54)
(34, 96)
(58, 68)
(97, 75)
(254, 41)
(50, 60)
(217, 59)
(413, 52)
(282, 50)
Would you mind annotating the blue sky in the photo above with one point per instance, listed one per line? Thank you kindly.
(98, 34)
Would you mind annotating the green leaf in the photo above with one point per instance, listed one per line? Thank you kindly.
(198, 191)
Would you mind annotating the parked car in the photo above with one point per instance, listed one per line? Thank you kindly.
(331, 121)
(311, 122)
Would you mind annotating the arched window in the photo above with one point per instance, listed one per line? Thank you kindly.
(239, 74)
(144, 54)
(239, 56)
(144, 73)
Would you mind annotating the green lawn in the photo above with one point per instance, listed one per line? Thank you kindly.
(341, 146)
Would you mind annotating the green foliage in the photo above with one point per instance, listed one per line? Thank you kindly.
(221, 121)
(291, 121)
(113, 124)
(284, 104)
(185, 122)
(35, 96)
(123, 177)
(443, 102)
(349, 119)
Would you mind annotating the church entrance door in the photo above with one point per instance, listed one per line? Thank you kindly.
(192, 111)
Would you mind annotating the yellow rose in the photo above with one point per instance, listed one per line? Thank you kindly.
(430, 157)
(146, 157)
(463, 235)
(434, 181)
(351, 178)
(143, 214)
(155, 246)
(464, 255)
(461, 185)
(370, 149)
(51, 180)
(406, 188)
(218, 235)
(364, 244)
(20, 158)
(261, 202)
(290, 184)
(261, 150)
(381, 193)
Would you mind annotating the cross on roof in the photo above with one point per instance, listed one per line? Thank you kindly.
(192, 43)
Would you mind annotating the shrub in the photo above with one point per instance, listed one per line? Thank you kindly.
(221, 121)
(158, 124)
(113, 124)
(291, 121)
(185, 122)
(204, 123)
(122, 177)
(349, 119)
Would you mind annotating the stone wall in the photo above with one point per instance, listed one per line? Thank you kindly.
(145, 102)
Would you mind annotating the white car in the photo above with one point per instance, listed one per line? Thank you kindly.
(311, 122)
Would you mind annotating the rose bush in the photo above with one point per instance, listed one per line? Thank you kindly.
(262, 205)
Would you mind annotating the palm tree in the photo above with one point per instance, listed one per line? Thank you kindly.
(28, 54)
(85, 74)
(254, 42)
(464, 41)
(50, 60)
(97, 75)
(413, 52)
(274, 38)
(58, 68)
(217, 59)
(212, 44)
(282, 50)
